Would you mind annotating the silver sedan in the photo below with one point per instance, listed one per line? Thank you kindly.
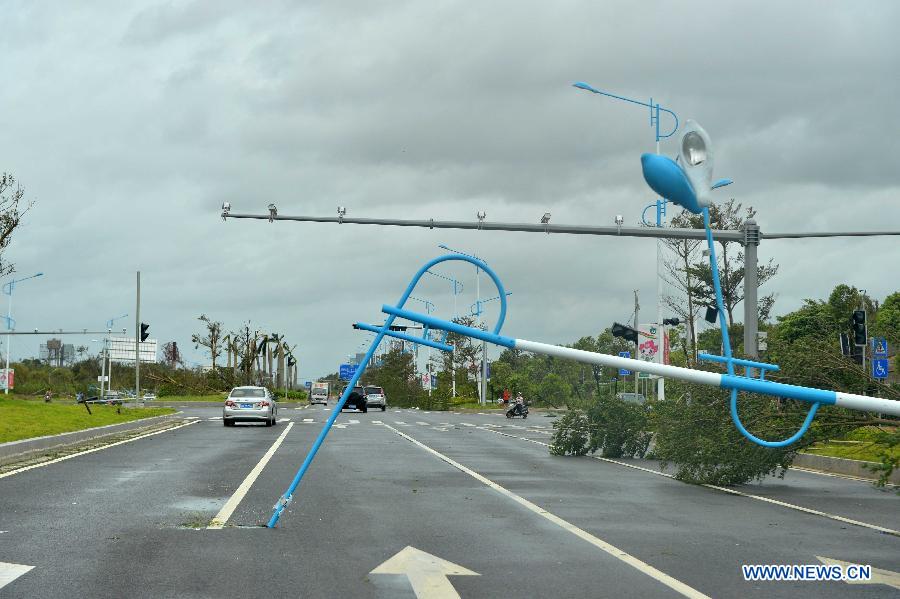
(249, 404)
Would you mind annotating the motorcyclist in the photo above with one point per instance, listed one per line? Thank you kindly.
(520, 403)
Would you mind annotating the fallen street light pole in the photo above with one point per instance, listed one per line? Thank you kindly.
(748, 236)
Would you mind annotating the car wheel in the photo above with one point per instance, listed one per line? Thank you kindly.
(524, 416)
(226, 422)
(383, 408)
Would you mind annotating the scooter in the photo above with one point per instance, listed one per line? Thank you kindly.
(517, 409)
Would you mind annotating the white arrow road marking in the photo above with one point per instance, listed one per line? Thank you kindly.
(225, 513)
(9, 572)
(886, 577)
(643, 567)
(426, 573)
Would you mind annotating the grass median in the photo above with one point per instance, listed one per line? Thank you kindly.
(23, 419)
(862, 444)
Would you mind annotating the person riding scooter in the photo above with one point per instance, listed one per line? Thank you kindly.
(519, 408)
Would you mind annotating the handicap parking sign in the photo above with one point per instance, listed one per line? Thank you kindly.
(880, 368)
(622, 371)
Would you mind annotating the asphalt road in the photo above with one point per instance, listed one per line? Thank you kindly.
(476, 490)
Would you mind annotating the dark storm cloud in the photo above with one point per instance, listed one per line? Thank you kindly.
(130, 124)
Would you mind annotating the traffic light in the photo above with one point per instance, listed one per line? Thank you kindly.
(858, 325)
(845, 344)
(144, 333)
(398, 327)
(672, 321)
(712, 314)
(624, 331)
(291, 361)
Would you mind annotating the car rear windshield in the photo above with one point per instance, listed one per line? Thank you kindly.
(248, 393)
(374, 391)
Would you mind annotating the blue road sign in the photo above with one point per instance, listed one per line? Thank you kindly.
(622, 371)
(347, 371)
(879, 347)
(308, 384)
(880, 368)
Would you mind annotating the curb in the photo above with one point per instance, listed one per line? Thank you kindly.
(857, 468)
(19, 449)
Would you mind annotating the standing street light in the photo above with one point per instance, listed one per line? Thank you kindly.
(10, 323)
(484, 368)
(655, 109)
(429, 308)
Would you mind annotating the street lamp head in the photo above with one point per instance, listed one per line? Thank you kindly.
(546, 218)
(40, 274)
(687, 180)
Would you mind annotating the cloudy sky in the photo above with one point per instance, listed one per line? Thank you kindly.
(130, 123)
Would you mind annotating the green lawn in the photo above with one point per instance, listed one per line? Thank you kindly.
(858, 445)
(22, 419)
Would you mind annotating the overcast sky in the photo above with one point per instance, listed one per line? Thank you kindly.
(130, 123)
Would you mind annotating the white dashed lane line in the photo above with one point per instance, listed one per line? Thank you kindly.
(225, 513)
(645, 568)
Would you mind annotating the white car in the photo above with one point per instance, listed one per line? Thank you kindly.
(250, 404)
(375, 398)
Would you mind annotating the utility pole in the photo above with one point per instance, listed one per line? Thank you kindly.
(637, 341)
(751, 313)
(137, 341)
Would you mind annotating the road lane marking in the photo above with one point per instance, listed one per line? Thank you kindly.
(799, 508)
(377, 422)
(86, 451)
(643, 567)
(353, 422)
(423, 423)
(225, 513)
(284, 420)
(308, 420)
(885, 577)
(9, 572)
(427, 573)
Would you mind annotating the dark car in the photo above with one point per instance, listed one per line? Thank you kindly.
(357, 400)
